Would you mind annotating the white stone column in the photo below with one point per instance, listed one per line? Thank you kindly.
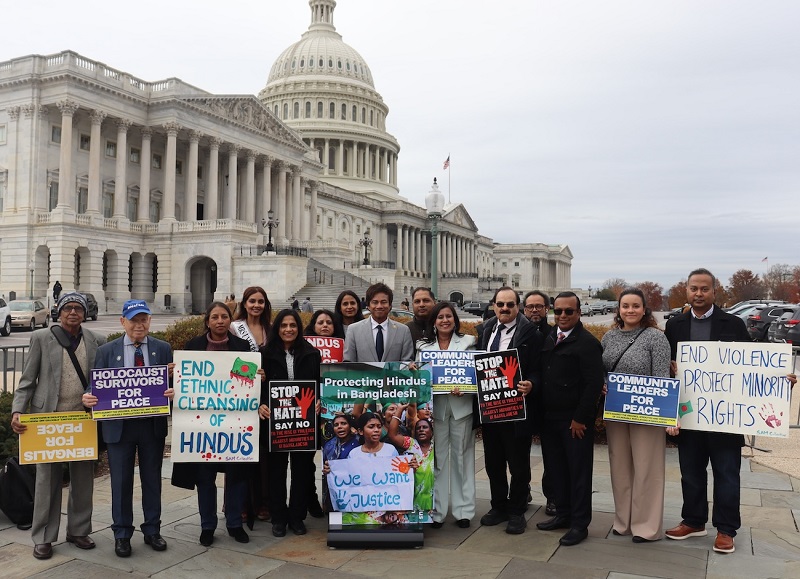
(143, 212)
(326, 157)
(265, 196)
(412, 249)
(66, 179)
(250, 188)
(211, 205)
(281, 213)
(121, 176)
(312, 219)
(168, 211)
(190, 212)
(230, 191)
(399, 258)
(340, 158)
(294, 213)
(12, 200)
(95, 193)
(381, 164)
(367, 161)
(385, 243)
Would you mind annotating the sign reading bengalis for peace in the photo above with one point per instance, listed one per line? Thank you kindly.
(129, 392)
(450, 369)
(498, 398)
(735, 387)
(642, 399)
(57, 437)
(215, 408)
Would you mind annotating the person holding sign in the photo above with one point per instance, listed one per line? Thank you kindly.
(636, 452)
(348, 308)
(217, 338)
(129, 437)
(54, 380)
(288, 356)
(453, 438)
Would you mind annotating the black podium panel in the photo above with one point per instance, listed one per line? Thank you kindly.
(406, 536)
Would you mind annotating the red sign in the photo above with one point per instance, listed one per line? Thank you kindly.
(331, 349)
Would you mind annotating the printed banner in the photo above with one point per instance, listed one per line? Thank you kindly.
(498, 399)
(293, 421)
(331, 349)
(58, 437)
(371, 484)
(451, 369)
(129, 392)
(735, 387)
(215, 409)
(642, 399)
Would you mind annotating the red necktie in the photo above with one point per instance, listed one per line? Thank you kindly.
(138, 355)
(561, 336)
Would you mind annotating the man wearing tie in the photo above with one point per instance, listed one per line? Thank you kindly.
(508, 444)
(377, 338)
(126, 437)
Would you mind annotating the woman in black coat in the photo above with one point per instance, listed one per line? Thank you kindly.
(288, 356)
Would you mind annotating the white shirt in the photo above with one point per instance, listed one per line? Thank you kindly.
(705, 315)
(506, 336)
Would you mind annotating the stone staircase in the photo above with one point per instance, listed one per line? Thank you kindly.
(324, 284)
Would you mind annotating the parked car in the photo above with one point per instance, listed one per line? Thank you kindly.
(475, 308)
(28, 314)
(91, 303)
(787, 328)
(759, 320)
(5, 318)
(765, 302)
(586, 310)
(403, 315)
(673, 312)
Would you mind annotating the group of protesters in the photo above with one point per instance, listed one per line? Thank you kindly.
(563, 369)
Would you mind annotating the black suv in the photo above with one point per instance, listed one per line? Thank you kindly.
(787, 329)
(759, 320)
(90, 302)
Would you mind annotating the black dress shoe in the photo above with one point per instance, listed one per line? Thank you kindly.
(463, 523)
(314, 508)
(437, 524)
(493, 517)
(279, 529)
(638, 539)
(553, 524)
(550, 509)
(43, 551)
(573, 537)
(516, 525)
(81, 542)
(239, 534)
(207, 537)
(298, 527)
(156, 541)
(122, 547)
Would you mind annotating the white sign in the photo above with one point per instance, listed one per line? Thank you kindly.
(371, 484)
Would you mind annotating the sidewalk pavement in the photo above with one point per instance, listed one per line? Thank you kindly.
(768, 544)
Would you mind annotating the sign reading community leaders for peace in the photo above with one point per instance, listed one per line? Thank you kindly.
(57, 437)
(293, 420)
(735, 387)
(331, 349)
(215, 408)
(371, 484)
(498, 374)
(451, 369)
(642, 399)
(129, 392)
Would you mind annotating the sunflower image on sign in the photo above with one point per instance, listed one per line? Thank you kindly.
(243, 371)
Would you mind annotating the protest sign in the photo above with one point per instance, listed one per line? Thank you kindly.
(293, 421)
(215, 408)
(498, 374)
(735, 387)
(371, 484)
(451, 369)
(642, 399)
(129, 392)
(57, 437)
(331, 349)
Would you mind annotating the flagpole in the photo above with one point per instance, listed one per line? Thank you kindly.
(448, 178)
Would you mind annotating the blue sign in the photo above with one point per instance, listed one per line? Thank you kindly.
(642, 399)
(451, 369)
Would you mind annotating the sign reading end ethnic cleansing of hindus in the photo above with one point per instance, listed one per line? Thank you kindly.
(371, 484)
(735, 387)
(498, 374)
(129, 392)
(642, 399)
(293, 419)
(451, 369)
(57, 437)
(331, 349)
(215, 408)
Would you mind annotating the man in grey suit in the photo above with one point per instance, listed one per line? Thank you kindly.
(51, 383)
(378, 339)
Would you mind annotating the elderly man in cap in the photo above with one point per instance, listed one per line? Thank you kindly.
(127, 436)
(53, 380)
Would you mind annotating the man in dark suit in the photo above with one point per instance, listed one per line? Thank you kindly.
(572, 379)
(127, 436)
(507, 445)
(377, 338)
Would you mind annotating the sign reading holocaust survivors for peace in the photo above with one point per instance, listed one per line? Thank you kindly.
(129, 392)
(371, 484)
(215, 408)
(293, 420)
(735, 387)
(57, 437)
(642, 399)
(498, 374)
(451, 369)
(331, 349)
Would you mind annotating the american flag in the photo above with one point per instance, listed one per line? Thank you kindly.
(446, 163)
(762, 261)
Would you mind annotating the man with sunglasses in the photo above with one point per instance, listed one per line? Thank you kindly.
(572, 379)
(507, 445)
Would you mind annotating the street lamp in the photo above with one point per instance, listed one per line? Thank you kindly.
(270, 223)
(434, 205)
(365, 243)
(31, 267)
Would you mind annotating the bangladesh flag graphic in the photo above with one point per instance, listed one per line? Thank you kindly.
(685, 408)
(243, 371)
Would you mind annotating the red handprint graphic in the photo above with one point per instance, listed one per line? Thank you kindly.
(400, 465)
(509, 369)
(305, 400)
(768, 416)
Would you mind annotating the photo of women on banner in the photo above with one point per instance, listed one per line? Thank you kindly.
(293, 419)
(215, 408)
(331, 349)
(450, 369)
(129, 392)
(642, 399)
(498, 398)
(57, 437)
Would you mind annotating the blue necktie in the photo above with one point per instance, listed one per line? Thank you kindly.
(138, 355)
(496, 342)
(379, 343)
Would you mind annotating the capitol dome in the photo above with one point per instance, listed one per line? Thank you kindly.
(323, 88)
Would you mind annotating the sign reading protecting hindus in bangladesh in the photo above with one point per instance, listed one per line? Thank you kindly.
(642, 399)
(451, 369)
(735, 387)
(215, 407)
(57, 437)
(129, 392)
(498, 374)
(293, 421)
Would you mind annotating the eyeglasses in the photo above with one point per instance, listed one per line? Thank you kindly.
(567, 311)
(72, 309)
(502, 305)
(536, 307)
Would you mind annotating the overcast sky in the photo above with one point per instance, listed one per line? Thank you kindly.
(652, 137)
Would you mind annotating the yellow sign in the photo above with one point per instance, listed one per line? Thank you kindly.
(57, 437)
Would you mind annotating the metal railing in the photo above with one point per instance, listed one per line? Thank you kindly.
(13, 359)
(257, 250)
(378, 264)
